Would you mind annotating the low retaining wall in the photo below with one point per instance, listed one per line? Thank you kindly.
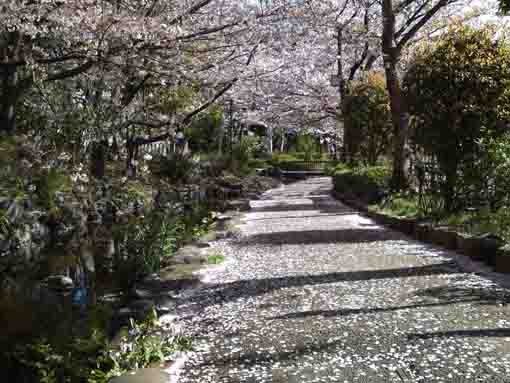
(486, 248)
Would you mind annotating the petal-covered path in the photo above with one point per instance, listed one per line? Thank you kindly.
(313, 292)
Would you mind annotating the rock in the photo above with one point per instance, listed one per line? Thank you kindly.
(138, 310)
(502, 260)
(140, 293)
(59, 283)
(166, 304)
(223, 217)
(59, 199)
(422, 232)
(152, 278)
(223, 234)
(444, 237)
(239, 205)
(489, 245)
(28, 204)
(189, 255)
(204, 240)
(252, 196)
(35, 215)
(5, 245)
(4, 203)
(39, 232)
(142, 305)
(469, 246)
(230, 183)
(14, 211)
(146, 375)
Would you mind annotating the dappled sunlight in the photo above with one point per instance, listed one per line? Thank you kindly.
(318, 295)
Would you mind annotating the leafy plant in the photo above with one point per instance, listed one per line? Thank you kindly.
(215, 259)
(6, 228)
(147, 242)
(458, 89)
(369, 130)
(91, 358)
(307, 145)
(368, 183)
(48, 184)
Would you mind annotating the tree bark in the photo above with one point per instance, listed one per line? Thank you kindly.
(8, 99)
(346, 155)
(391, 55)
(98, 159)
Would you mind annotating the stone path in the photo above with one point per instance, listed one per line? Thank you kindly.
(313, 292)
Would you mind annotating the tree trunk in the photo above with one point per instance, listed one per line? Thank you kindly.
(399, 118)
(400, 127)
(98, 159)
(270, 139)
(130, 158)
(8, 99)
(346, 154)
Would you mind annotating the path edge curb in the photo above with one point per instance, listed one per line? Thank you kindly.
(483, 249)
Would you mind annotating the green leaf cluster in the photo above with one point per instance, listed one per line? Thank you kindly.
(368, 118)
(458, 91)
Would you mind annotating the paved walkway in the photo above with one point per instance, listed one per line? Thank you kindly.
(313, 292)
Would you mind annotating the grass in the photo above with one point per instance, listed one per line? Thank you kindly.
(469, 222)
(399, 206)
(215, 259)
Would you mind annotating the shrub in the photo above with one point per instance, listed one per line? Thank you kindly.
(368, 129)
(215, 259)
(283, 157)
(367, 183)
(458, 90)
(400, 205)
(176, 169)
(90, 357)
(147, 242)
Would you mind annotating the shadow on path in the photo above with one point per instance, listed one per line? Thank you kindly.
(303, 216)
(489, 294)
(345, 312)
(322, 203)
(254, 287)
(320, 236)
(479, 333)
(253, 358)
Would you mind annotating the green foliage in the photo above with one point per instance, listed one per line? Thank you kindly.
(504, 6)
(90, 357)
(204, 133)
(177, 99)
(400, 205)
(283, 157)
(367, 183)
(176, 169)
(257, 163)
(6, 228)
(368, 112)
(458, 89)
(148, 242)
(48, 183)
(493, 167)
(135, 190)
(242, 153)
(307, 145)
(215, 259)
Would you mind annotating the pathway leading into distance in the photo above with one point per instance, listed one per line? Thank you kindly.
(313, 292)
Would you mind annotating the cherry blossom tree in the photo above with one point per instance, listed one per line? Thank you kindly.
(402, 22)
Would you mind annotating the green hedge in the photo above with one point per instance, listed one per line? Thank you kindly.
(369, 184)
